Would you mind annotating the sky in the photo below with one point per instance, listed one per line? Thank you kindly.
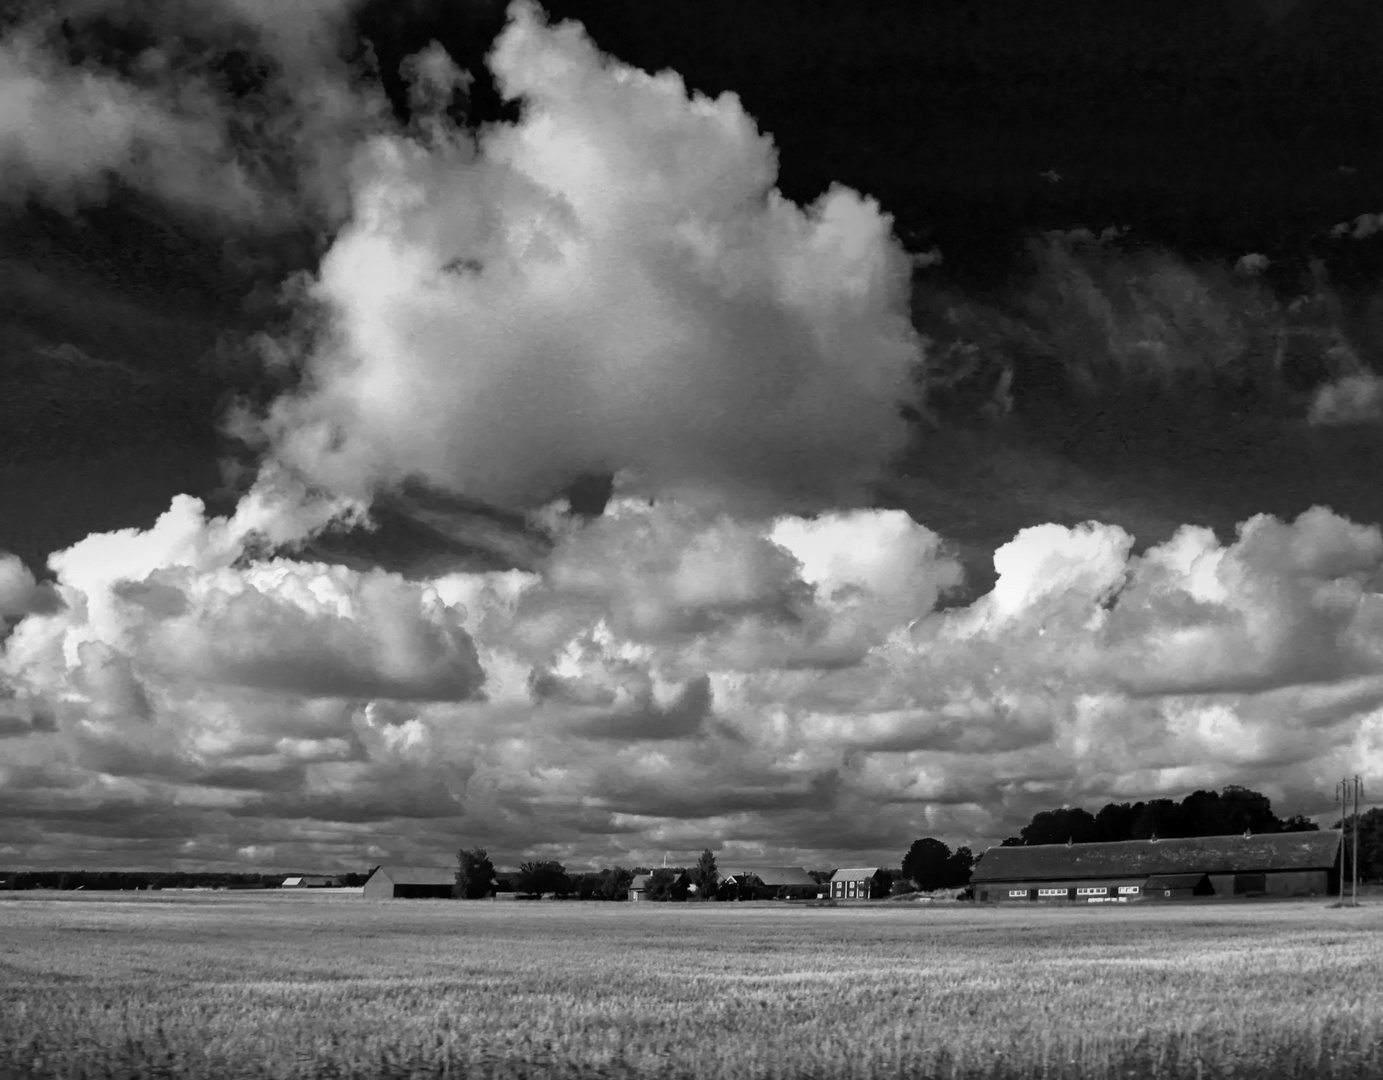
(609, 431)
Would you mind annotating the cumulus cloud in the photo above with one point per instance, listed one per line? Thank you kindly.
(1351, 399)
(602, 706)
(64, 131)
(20, 593)
(612, 283)
(739, 650)
(78, 110)
(1361, 228)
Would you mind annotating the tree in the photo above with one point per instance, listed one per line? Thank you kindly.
(1370, 825)
(705, 875)
(1068, 824)
(475, 873)
(961, 865)
(667, 884)
(931, 864)
(542, 877)
(615, 883)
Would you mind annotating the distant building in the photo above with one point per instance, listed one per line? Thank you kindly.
(1273, 864)
(638, 888)
(791, 881)
(410, 883)
(311, 881)
(858, 883)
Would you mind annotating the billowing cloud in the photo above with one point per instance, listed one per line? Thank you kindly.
(626, 697)
(612, 283)
(741, 649)
(158, 111)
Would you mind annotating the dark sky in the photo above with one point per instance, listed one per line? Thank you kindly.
(240, 243)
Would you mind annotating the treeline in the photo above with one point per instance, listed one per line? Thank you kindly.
(1370, 845)
(476, 877)
(147, 879)
(1202, 813)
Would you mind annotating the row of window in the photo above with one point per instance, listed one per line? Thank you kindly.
(1083, 890)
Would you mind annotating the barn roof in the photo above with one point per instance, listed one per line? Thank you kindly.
(418, 875)
(292, 881)
(775, 876)
(1140, 858)
(641, 880)
(855, 873)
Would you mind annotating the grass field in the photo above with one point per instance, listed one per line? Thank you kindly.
(281, 985)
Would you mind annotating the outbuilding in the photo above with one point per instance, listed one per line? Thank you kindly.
(411, 883)
(311, 881)
(789, 881)
(1276, 864)
(857, 883)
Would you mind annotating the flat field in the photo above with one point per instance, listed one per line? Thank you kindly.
(308, 985)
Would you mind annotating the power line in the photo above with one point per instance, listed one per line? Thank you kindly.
(1350, 785)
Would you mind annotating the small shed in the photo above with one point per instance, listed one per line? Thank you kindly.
(411, 883)
(857, 883)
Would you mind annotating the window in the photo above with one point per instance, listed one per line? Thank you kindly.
(1051, 892)
(1099, 890)
(1020, 893)
(1128, 890)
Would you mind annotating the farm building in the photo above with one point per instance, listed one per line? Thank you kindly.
(311, 881)
(857, 883)
(638, 888)
(1280, 864)
(790, 881)
(410, 883)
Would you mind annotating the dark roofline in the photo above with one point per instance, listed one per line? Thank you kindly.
(1133, 858)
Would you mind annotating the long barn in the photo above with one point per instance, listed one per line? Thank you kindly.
(1280, 864)
(410, 883)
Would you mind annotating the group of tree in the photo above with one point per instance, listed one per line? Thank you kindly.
(931, 864)
(148, 879)
(1370, 845)
(476, 877)
(1202, 813)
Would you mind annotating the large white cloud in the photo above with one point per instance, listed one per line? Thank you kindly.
(610, 283)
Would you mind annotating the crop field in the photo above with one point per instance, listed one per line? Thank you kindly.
(311, 985)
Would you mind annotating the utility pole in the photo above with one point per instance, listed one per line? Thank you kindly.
(1350, 785)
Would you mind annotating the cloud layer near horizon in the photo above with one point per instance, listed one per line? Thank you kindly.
(673, 679)
(738, 652)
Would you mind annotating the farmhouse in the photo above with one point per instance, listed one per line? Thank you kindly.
(410, 883)
(857, 883)
(1280, 864)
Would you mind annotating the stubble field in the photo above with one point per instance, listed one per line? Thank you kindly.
(281, 985)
